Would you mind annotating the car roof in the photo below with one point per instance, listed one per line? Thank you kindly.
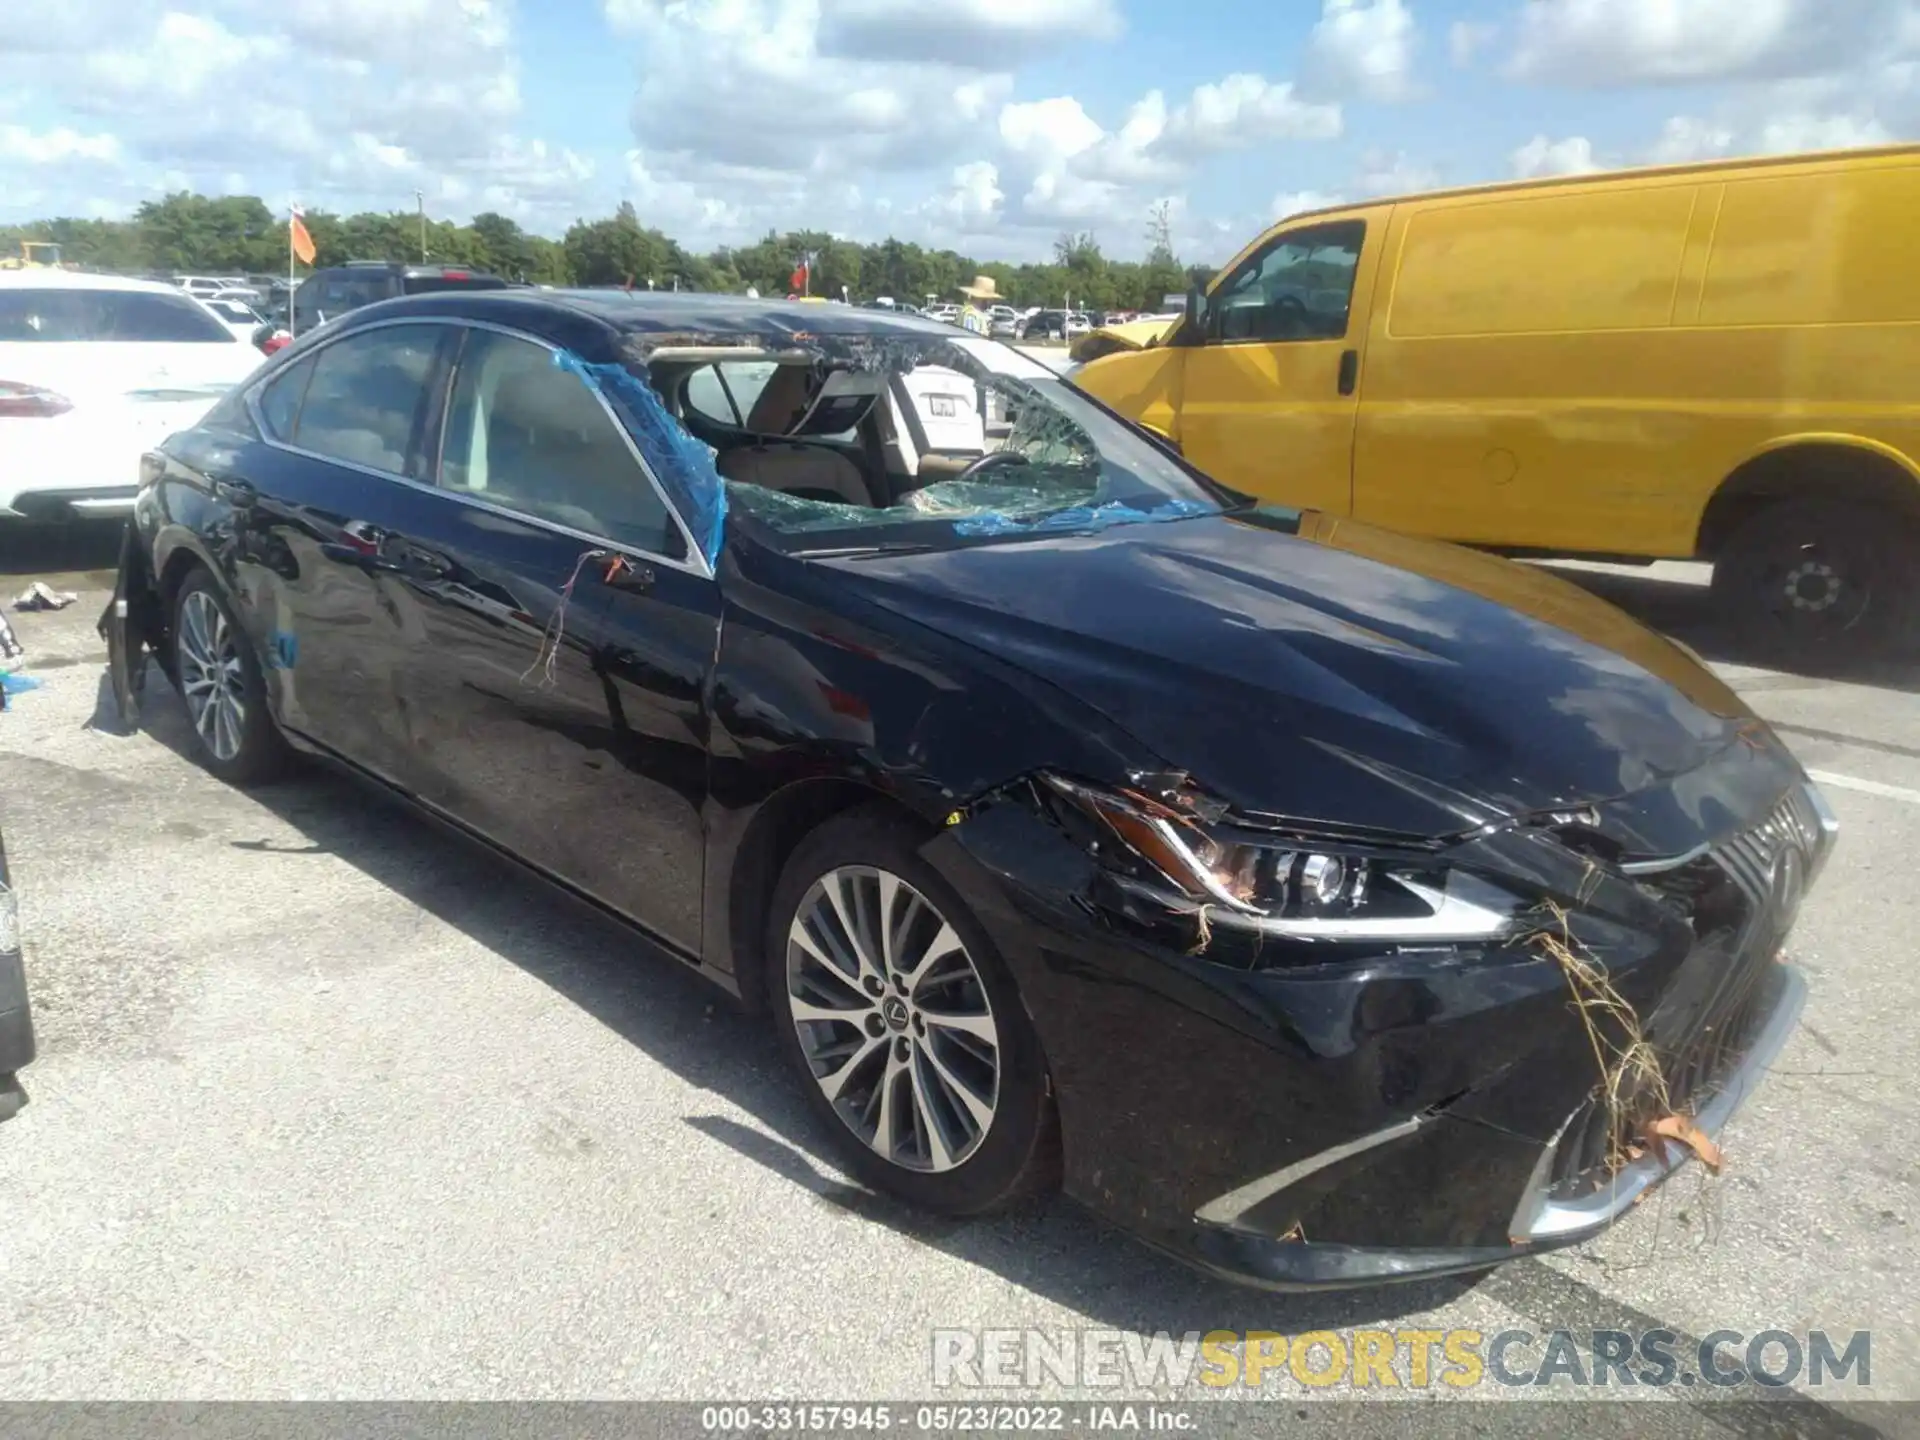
(80, 280)
(668, 312)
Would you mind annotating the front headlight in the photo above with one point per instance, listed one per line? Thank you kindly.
(1331, 891)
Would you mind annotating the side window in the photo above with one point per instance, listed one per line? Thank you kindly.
(280, 401)
(726, 392)
(708, 396)
(1299, 288)
(367, 394)
(524, 434)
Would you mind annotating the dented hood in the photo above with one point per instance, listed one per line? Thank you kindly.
(1317, 669)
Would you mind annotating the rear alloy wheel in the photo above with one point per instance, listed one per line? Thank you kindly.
(1813, 581)
(222, 686)
(904, 1026)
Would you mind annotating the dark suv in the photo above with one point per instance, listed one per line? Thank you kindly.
(332, 292)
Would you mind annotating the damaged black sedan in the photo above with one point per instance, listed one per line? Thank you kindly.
(1323, 906)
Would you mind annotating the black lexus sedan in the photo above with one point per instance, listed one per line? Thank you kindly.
(1323, 906)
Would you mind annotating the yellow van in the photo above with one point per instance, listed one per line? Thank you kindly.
(1710, 361)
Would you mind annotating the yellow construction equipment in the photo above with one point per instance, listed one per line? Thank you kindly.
(33, 255)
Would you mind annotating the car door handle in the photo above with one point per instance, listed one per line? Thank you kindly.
(632, 576)
(237, 492)
(355, 556)
(1349, 370)
(420, 562)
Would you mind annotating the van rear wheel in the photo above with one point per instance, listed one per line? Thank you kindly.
(1815, 581)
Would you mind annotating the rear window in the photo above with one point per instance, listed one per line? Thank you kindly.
(427, 284)
(126, 316)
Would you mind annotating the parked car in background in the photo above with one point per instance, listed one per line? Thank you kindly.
(16, 1014)
(1707, 362)
(1044, 796)
(236, 314)
(1003, 322)
(330, 293)
(1045, 325)
(94, 370)
(1077, 325)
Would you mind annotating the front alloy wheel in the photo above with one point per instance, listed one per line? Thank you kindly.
(893, 1018)
(903, 1022)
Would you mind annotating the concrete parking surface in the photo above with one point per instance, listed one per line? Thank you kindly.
(332, 1106)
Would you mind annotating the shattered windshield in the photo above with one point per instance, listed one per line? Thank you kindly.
(906, 440)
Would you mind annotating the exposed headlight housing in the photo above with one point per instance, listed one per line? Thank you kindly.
(1298, 890)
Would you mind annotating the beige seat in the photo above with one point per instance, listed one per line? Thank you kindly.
(809, 470)
(781, 401)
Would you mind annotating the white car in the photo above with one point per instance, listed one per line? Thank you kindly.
(236, 314)
(94, 372)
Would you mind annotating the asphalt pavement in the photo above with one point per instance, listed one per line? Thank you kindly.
(331, 1106)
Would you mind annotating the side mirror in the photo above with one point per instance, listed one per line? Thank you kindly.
(1192, 329)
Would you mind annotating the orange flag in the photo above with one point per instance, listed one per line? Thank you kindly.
(301, 242)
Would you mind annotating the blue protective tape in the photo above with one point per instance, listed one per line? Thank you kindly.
(684, 465)
(1080, 517)
(16, 684)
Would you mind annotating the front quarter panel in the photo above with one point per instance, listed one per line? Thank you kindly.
(812, 686)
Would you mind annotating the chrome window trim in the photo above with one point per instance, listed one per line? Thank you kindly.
(695, 563)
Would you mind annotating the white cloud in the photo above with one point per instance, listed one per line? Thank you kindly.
(1687, 137)
(1541, 156)
(973, 199)
(746, 83)
(1610, 42)
(1384, 173)
(1068, 169)
(1467, 38)
(1361, 48)
(986, 34)
(344, 102)
(21, 146)
(1298, 202)
(1787, 134)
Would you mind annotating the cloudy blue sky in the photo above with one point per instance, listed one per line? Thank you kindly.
(991, 125)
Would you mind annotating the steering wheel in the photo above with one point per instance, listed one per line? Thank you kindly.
(1294, 309)
(992, 460)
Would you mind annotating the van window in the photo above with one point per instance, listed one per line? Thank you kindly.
(1833, 248)
(1300, 287)
(1599, 260)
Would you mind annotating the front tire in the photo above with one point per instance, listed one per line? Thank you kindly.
(220, 680)
(904, 1026)
(1815, 581)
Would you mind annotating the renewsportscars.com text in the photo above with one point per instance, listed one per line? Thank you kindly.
(1398, 1359)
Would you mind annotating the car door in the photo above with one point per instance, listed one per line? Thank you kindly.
(315, 507)
(1270, 394)
(569, 630)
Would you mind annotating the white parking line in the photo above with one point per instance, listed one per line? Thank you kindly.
(1865, 787)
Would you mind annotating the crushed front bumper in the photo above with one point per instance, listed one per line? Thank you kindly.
(1541, 1222)
(1327, 1126)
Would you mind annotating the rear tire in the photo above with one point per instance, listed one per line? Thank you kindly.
(226, 696)
(1814, 581)
(926, 1072)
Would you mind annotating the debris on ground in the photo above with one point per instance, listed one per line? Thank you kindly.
(41, 596)
(10, 648)
(1683, 1130)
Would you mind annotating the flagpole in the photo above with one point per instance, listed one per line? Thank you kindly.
(290, 322)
